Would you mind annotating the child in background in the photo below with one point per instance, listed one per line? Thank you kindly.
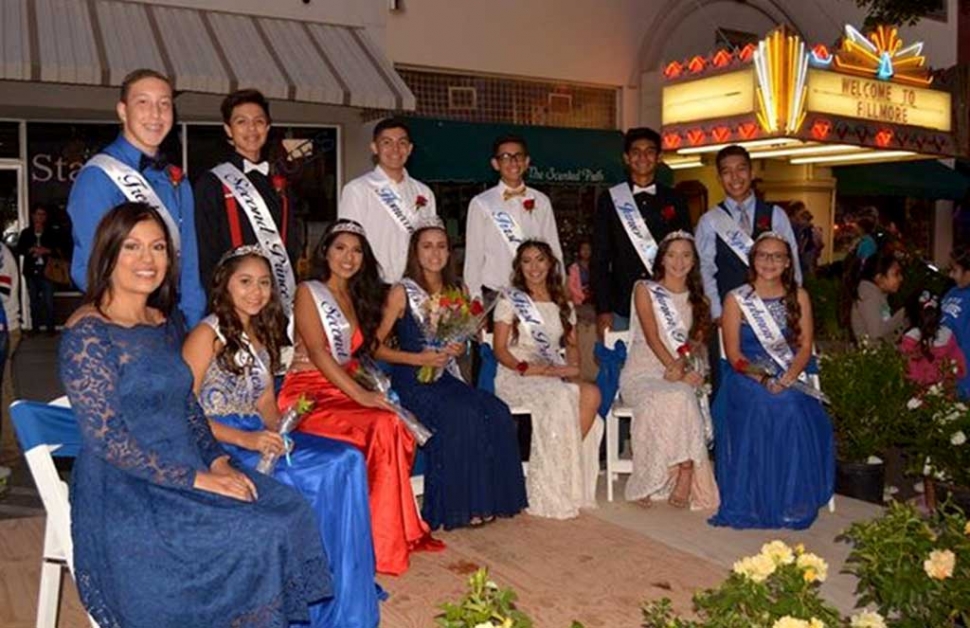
(956, 307)
(930, 348)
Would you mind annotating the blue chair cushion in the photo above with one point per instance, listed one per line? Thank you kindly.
(43, 424)
(608, 378)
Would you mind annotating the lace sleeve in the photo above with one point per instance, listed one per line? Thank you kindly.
(90, 367)
(209, 447)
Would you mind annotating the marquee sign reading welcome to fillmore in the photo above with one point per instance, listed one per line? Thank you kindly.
(873, 91)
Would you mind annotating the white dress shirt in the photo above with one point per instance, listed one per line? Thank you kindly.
(388, 238)
(488, 258)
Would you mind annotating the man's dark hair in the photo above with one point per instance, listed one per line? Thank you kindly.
(243, 97)
(391, 123)
(141, 73)
(509, 138)
(640, 133)
(731, 151)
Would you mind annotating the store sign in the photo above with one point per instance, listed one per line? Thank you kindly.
(574, 175)
(720, 96)
(881, 101)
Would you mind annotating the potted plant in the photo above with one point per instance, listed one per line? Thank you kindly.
(915, 569)
(939, 443)
(484, 605)
(868, 390)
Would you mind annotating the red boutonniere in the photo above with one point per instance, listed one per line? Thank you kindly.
(668, 213)
(764, 223)
(529, 204)
(420, 201)
(175, 175)
(279, 183)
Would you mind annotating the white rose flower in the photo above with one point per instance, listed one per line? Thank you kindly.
(940, 564)
(958, 438)
(755, 568)
(485, 625)
(867, 619)
(914, 403)
(815, 568)
(790, 622)
(779, 552)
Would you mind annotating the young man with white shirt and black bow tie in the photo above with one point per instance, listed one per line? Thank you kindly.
(503, 217)
(388, 202)
(241, 202)
(630, 222)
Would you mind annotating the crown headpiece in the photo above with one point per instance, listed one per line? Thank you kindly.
(240, 251)
(774, 235)
(348, 226)
(680, 234)
(430, 221)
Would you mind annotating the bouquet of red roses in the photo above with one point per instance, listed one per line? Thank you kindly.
(452, 318)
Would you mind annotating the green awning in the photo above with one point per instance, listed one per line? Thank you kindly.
(915, 179)
(452, 151)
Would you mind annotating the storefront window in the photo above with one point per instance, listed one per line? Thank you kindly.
(9, 140)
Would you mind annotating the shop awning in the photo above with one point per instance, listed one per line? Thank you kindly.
(97, 42)
(447, 150)
(916, 179)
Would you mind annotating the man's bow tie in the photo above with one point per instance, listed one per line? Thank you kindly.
(507, 194)
(158, 162)
(650, 189)
(262, 167)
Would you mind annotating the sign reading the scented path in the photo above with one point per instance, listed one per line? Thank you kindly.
(574, 175)
(856, 97)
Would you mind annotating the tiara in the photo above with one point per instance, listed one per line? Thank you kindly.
(680, 234)
(431, 221)
(348, 226)
(240, 251)
(774, 235)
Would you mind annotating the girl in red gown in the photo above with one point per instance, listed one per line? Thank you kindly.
(349, 296)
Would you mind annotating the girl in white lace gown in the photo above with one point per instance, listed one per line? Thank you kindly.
(668, 439)
(564, 458)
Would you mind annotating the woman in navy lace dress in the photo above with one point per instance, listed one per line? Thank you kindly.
(474, 471)
(166, 532)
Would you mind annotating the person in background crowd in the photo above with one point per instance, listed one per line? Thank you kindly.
(808, 237)
(630, 221)
(580, 292)
(37, 245)
(534, 321)
(233, 354)
(956, 307)
(337, 317)
(871, 317)
(501, 218)
(241, 201)
(932, 352)
(669, 435)
(10, 295)
(726, 232)
(867, 223)
(133, 168)
(774, 444)
(473, 473)
(158, 512)
(387, 202)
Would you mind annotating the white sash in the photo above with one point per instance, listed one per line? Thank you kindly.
(335, 324)
(418, 299)
(530, 318)
(265, 228)
(668, 318)
(259, 367)
(632, 221)
(737, 240)
(137, 190)
(508, 227)
(392, 202)
(765, 328)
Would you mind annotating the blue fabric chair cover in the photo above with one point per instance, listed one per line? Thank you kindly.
(43, 424)
(608, 378)
(420, 463)
(488, 369)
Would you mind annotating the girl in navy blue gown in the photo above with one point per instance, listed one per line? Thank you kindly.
(233, 353)
(167, 533)
(774, 448)
(474, 472)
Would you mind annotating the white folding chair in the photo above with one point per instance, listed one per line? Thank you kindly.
(43, 429)
(614, 464)
(487, 338)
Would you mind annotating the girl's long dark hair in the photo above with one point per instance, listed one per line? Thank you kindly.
(413, 268)
(114, 227)
(924, 310)
(366, 288)
(701, 328)
(554, 284)
(793, 310)
(269, 326)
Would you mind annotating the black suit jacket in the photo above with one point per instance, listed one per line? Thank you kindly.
(616, 266)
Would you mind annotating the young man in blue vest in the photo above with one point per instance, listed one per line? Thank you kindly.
(132, 168)
(725, 232)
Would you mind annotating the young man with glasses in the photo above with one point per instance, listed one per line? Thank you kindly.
(386, 201)
(630, 222)
(502, 217)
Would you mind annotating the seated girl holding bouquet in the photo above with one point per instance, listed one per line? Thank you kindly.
(233, 354)
(474, 472)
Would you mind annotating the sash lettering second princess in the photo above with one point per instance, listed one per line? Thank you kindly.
(766, 328)
(137, 190)
(636, 229)
(531, 319)
(265, 228)
(335, 324)
(738, 241)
